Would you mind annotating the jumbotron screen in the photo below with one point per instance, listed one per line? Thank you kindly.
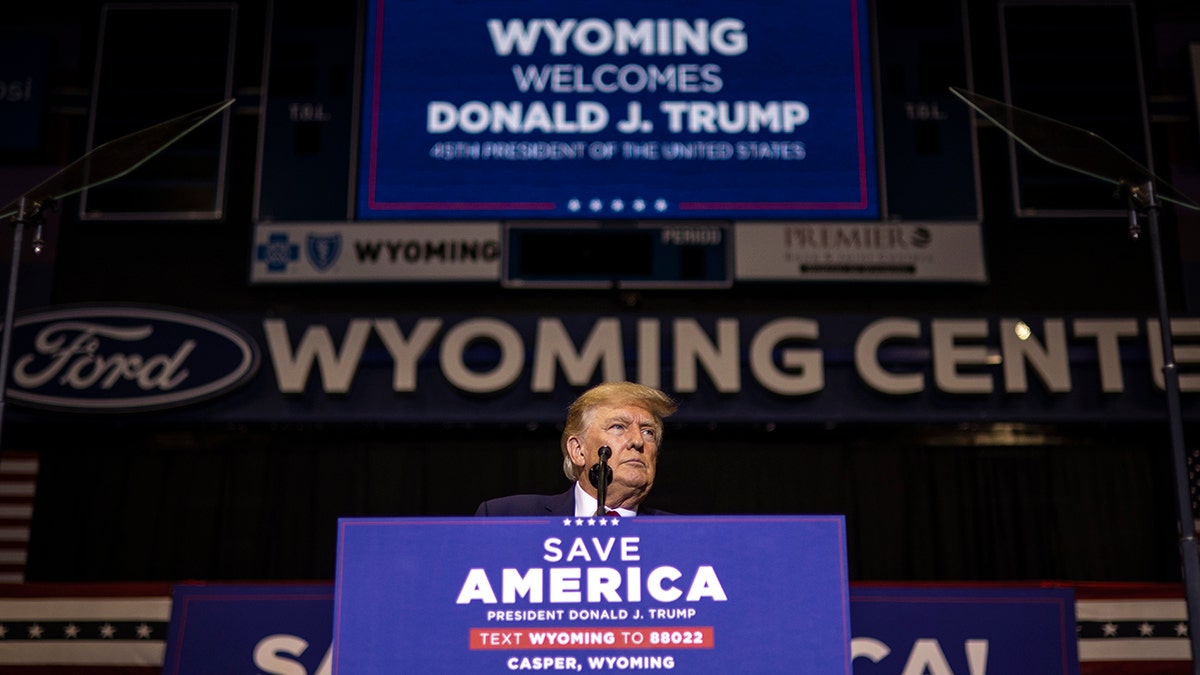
(701, 137)
(526, 109)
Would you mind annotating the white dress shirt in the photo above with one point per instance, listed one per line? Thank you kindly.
(585, 505)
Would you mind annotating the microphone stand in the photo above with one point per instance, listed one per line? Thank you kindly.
(601, 474)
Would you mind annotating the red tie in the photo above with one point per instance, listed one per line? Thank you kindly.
(610, 512)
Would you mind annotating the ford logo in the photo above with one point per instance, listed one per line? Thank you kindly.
(125, 359)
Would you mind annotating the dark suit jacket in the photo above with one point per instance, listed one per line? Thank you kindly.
(542, 505)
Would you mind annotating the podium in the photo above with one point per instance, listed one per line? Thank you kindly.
(760, 594)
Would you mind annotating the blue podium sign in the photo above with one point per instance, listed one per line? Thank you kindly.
(689, 594)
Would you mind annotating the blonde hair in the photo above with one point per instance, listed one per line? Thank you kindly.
(654, 401)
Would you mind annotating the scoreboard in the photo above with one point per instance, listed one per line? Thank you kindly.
(657, 143)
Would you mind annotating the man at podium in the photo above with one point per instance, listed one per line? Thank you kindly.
(623, 419)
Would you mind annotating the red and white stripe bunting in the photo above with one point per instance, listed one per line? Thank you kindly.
(18, 484)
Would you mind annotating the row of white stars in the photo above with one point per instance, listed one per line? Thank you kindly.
(71, 631)
(591, 522)
(1145, 629)
(616, 205)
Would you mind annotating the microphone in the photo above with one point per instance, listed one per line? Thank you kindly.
(601, 475)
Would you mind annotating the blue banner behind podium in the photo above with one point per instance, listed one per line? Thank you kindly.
(971, 630)
(689, 594)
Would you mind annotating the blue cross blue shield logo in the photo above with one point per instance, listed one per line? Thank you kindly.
(323, 250)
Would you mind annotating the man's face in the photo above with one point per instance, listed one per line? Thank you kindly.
(632, 434)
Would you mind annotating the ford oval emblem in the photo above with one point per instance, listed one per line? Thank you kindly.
(100, 358)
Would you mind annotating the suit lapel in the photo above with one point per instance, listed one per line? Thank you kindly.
(562, 504)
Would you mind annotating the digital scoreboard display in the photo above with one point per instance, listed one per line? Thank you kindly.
(524, 109)
(680, 133)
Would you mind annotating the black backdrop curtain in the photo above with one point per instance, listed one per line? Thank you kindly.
(937, 504)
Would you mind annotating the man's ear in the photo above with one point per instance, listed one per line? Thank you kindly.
(575, 450)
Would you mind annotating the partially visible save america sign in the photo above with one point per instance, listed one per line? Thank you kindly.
(124, 359)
